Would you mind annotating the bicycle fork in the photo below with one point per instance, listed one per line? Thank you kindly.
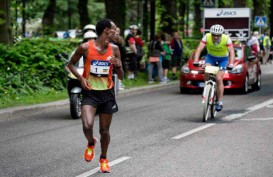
(211, 99)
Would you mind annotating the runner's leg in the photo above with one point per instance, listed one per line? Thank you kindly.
(105, 122)
(88, 115)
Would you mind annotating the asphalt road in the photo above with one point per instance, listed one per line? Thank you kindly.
(156, 133)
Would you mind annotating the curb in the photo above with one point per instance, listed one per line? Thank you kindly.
(7, 113)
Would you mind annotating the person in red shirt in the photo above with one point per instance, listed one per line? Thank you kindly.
(139, 47)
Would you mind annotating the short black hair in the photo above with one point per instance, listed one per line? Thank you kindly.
(163, 37)
(102, 24)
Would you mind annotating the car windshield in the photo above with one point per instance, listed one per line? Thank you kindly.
(238, 53)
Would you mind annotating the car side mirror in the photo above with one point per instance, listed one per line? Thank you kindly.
(185, 59)
(251, 57)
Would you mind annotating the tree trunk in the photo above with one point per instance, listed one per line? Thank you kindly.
(145, 20)
(5, 32)
(24, 18)
(116, 11)
(169, 16)
(221, 4)
(182, 12)
(83, 12)
(259, 8)
(239, 3)
(152, 20)
(271, 19)
(197, 18)
(48, 17)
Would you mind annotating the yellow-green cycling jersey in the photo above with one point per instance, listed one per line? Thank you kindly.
(267, 42)
(219, 50)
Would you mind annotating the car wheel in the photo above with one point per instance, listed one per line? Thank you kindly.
(257, 84)
(245, 87)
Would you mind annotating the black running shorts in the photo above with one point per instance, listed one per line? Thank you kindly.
(165, 64)
(103, 100)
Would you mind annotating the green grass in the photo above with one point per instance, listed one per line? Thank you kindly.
(140, 80)
(35, 98)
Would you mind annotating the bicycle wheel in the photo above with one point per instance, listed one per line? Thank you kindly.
(213, 112)
(206, 105)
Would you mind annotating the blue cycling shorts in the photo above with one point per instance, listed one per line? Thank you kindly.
(222, 61)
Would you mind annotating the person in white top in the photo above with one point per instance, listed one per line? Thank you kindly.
(253, 43)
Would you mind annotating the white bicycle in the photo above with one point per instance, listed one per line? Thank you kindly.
(209, 96)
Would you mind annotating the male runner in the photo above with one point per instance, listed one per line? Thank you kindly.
(101, 57)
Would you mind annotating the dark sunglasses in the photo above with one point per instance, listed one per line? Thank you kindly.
(216, 35)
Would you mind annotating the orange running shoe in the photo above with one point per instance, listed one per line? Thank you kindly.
(89, 153)
(104, 166)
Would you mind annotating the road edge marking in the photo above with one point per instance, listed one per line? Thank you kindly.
(249, 110)
(257, 119)
(193, 131)
(226, 118)
(95, 170)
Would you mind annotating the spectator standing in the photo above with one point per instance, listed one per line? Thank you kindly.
(119, 41)
(131, 51)
(253, 43)
(166, 57)
(155, 50)
(177, 47)
(271, 52)
(267, 47)
(139, 47)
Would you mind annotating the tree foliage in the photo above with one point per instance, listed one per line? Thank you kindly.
(168, 21)
(170, 15)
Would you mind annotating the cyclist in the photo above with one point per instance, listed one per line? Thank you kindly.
(220, 50)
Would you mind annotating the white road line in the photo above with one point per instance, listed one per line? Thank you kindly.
(95, 170)
(234, 116)
(193, 131)
(257, 119)
(227, 118)
(251, 109)
(261, 105)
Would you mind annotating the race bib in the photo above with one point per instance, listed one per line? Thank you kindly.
(100, 67)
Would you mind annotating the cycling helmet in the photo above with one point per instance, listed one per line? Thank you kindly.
(133, 27)
(217, 29)
(89, 27)
(90, 35)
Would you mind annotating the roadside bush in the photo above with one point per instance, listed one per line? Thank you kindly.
(189, 46)
(30, 65)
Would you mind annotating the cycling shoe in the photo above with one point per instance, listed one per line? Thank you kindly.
(219, 107)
